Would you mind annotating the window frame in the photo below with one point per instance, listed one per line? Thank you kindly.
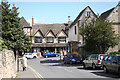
(38, 41)
(75, 30)
(88, 14)
(61, 37)
(49, 41)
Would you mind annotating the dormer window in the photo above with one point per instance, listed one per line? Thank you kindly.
(50, 39)
(88, 14)
(61, 39)
(38, 39)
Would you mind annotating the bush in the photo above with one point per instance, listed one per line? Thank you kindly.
(2, 45)
(114, 52)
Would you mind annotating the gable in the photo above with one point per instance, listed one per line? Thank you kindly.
(38, 33)
(24, 22)
(50, 34)
(82, 16)
(114, 16)
(61, 34)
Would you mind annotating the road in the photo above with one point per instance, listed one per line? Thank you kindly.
(53, 68)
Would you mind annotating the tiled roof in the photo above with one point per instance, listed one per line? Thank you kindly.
(24, 22)
(46, 27)
(106, 14)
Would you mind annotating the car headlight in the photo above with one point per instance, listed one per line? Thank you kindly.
(73, 60)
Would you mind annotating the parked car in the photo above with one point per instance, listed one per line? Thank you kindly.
(111, 63)
(50, 54)
(30, 55)
(72, 58)
(94, 61)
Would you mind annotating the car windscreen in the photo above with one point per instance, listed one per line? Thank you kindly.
(101, 57)
(118, 59)
(75, 56)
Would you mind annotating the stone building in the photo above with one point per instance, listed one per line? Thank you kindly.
(85, 14)
(75, 39)
(113, 15)
(52, 37)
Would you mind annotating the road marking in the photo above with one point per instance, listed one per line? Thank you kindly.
(38, 75)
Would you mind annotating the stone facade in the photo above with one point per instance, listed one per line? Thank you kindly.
(73, 32)
(7, 64)
(113, 15)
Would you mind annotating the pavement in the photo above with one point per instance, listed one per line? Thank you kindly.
(29, 73)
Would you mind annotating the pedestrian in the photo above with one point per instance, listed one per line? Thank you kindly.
(63, 52)
(24, 62)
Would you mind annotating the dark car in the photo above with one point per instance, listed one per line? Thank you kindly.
(111, 63)
(72, 58)
(94, 61)
(50, 54)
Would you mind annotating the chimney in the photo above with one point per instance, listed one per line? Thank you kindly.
(32, 21)
(13, 5)
(68, 19)
(13, 8)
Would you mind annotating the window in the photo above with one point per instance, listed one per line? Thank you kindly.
(88, 14)
(75, 30)
(38, 39)
(50, 39)
(61, 39)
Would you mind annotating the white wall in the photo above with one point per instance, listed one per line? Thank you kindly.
(71, 33)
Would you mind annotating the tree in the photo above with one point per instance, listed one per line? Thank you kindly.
(12, 32)
(98, 35)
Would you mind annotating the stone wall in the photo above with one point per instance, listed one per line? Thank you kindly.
(7, 64)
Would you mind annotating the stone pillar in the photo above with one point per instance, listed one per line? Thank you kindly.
(55, 50)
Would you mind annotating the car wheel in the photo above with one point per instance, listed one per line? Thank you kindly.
(84, 66)
(34, 57)
(64, 62)
(46, 56)
(105, 69)
(71, 62)
(93, 66)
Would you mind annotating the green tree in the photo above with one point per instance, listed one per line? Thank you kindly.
(98, 35)
(12, 33)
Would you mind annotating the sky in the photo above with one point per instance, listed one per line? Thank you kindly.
(58, 12)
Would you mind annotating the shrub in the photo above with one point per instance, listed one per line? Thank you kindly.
(114, 52)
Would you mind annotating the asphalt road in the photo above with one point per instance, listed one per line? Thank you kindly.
(53, 68)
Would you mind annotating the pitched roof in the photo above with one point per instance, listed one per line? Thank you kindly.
(63, 31)
(40, 32)
(49, 32)
(104, 15)
(24, 22)
(80, 14)
(46, 27)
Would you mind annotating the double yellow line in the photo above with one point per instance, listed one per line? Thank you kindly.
(36, 73)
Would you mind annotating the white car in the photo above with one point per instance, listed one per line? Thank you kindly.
(30, 55)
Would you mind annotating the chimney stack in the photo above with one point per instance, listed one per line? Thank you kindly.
(13, 5)
(13, 8)
(68, 19)
(32, 21)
